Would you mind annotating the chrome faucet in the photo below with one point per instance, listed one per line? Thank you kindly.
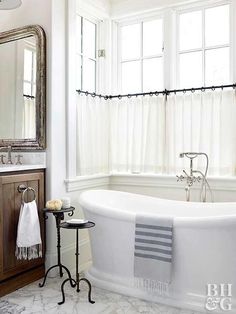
(9, 150)
(191, 178)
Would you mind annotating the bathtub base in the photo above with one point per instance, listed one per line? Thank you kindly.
(107, 282)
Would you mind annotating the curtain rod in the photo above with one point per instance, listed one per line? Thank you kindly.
(156, 93)
(28, 96)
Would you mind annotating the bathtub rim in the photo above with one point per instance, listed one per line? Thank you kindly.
(122, 214)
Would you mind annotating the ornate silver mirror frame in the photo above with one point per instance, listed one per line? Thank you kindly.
(39, 143)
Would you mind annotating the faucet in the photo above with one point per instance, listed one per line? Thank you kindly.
(9, 150)
(191, 178)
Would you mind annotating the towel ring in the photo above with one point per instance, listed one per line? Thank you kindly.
(23, 194)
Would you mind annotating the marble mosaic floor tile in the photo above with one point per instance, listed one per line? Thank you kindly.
(34, 300)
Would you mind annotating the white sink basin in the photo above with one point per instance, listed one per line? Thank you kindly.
(9, 167)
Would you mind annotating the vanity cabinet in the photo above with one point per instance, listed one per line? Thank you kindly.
(17, 273)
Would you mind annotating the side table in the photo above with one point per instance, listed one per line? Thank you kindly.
(76, 281)
(59, 216)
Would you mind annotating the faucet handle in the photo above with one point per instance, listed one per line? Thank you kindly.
(2, 162)
(18, 159)
(180, 178)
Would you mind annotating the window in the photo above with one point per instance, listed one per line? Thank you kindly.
(29, 87)
(204, 47)
(86, 58)
(141, 56)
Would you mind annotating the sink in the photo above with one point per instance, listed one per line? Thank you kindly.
(10, 167)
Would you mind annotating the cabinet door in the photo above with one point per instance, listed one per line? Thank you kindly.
(10, 203)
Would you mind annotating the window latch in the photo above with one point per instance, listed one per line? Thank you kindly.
(101, 53)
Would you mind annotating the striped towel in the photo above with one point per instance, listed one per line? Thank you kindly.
(153, 253)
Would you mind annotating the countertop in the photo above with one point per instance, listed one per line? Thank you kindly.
(11, 168)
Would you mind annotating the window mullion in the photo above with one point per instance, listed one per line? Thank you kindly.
(141, 59)
(82, 58)
(203, 48)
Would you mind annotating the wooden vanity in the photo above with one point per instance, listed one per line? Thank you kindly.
(15, 274)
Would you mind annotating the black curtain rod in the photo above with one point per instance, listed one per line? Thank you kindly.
(156, 93)
(28, 96)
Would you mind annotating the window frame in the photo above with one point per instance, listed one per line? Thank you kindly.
(32, 82)
(139, 21)
(204, 48)
(80, 54)
(170, 40)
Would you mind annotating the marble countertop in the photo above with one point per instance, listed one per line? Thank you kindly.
(11, 168)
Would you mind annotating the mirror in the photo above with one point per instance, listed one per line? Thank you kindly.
(23, 88)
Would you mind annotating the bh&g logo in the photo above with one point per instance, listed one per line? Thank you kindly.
(219, 297)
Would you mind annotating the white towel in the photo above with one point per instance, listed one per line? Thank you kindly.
(28, 242)
(153, 253)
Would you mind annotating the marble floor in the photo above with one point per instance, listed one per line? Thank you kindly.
(32, 299)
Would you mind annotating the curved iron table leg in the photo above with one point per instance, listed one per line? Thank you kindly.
(62, 290)
(60, 266)
(90, 289)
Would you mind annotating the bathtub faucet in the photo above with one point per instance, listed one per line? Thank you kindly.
(191, 178)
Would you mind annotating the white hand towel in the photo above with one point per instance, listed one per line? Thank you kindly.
(28, 242)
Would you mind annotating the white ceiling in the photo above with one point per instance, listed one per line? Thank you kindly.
(120, 8)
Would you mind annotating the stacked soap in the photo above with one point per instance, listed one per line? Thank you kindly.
(65, 202)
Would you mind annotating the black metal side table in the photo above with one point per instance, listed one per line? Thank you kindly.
(76, 281)
(59, 216)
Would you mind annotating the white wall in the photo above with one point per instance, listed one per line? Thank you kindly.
(52, 15)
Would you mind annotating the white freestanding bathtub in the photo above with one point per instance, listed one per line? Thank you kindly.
(204, 245)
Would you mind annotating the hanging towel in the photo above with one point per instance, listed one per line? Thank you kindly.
(28, 242)
(153, 253)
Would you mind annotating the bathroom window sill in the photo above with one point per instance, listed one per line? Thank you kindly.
(143, 180)
(87, 182)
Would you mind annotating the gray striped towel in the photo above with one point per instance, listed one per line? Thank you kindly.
(153, 253)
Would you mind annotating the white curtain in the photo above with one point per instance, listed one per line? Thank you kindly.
(92, 135)
(29, 118)
(202, 122)
(137, 134)
(147, 134)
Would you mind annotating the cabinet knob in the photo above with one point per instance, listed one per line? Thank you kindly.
(18, 159)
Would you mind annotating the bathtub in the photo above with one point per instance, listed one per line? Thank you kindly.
(204, 247)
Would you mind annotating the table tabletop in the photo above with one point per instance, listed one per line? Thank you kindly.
(86, 225)
(63, 210)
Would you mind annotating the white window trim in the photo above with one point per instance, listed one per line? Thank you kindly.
(139, 21)
(100, 15)
(91, 19)
(30, 47)
(143, 180)
(170, 57)
(204, 48)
